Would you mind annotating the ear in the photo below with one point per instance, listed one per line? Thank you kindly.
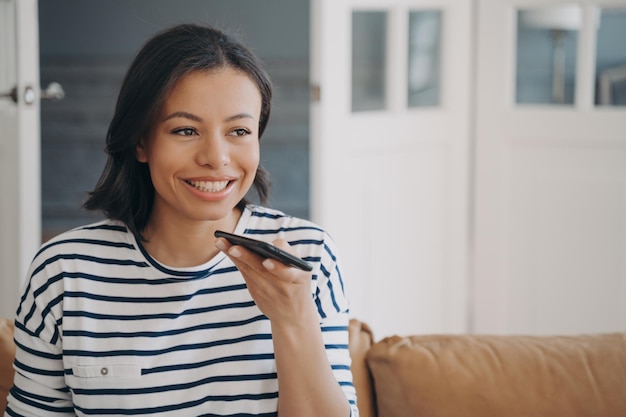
(140, 152)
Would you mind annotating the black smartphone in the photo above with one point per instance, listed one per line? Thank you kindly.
(266, 250)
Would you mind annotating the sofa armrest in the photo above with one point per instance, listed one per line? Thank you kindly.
(513, 376)
(361, 339)
(7, 355)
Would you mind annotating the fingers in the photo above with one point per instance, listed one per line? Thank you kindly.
(242, 256)
(280, 291)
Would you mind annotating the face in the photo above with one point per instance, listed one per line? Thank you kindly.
(204, 150)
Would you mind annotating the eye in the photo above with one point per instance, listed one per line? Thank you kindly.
(185, 131)
(240, 132)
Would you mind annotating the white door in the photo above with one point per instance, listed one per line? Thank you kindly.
(390, 156)
(551, 168)
(20, 217)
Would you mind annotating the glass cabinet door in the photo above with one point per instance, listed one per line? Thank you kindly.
(369, 56)
(424, 58)
(611, 57)
(547, 47)
(547, 54)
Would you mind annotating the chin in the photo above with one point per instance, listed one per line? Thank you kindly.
(215, 214)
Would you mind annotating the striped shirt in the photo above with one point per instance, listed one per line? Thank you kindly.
(103, 329)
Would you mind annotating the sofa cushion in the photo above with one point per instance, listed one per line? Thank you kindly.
(7, 354)
(513, 376)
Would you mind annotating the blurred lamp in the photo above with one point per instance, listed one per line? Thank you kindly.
(559, 20)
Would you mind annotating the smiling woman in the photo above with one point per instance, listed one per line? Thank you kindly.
(230, 332)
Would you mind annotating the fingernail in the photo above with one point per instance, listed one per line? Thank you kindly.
(269, 264)
(220, 245)
(234, 252)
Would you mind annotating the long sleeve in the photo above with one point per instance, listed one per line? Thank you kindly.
(39, 385)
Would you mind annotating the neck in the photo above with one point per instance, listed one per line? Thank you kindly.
(185, 243)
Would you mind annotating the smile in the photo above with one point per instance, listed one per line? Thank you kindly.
(209, 186)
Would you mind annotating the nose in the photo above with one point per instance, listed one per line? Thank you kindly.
(213, 151)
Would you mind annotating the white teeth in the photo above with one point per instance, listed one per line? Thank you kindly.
(209, 186)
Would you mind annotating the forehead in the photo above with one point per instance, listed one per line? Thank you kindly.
(219, 93)
(224, 81)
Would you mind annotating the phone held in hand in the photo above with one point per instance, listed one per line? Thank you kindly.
(266, 250)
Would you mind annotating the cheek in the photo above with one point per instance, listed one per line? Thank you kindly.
(163, 165)
(252, 157)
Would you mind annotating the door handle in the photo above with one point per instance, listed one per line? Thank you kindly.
(12, 94)
(54, 91)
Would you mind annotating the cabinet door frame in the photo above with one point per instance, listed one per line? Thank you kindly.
(20, 208)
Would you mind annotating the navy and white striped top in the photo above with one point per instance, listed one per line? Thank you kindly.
(104, 329)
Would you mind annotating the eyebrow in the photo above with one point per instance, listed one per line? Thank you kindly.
(195, 118)
(183, 114)
(239, 116)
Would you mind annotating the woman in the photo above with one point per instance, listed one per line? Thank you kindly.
(147, 312)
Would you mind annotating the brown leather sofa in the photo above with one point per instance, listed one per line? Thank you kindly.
(467, 375)
(488, 375)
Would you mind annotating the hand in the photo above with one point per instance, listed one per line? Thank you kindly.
(281, 292)
(284, 295)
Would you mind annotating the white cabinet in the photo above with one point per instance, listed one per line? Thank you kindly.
(550, 177)
(390, 156)
(501, 205)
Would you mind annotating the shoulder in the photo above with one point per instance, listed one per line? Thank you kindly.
(106, 233)
(307, 236)
(77, 252)
(264, 220)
